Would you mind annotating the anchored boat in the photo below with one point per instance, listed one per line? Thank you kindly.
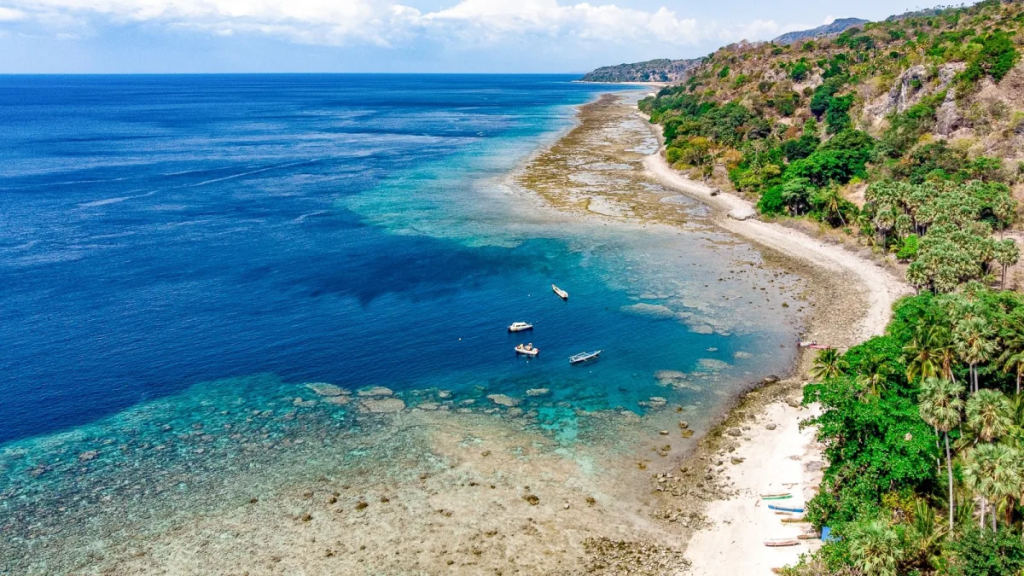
(561, 293)
(527, 350)
(519, 327)
(583, 357)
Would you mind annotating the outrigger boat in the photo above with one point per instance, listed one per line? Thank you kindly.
(583, 357)
(519, 327)
(527, 350)
(785, 509)
(561, 293)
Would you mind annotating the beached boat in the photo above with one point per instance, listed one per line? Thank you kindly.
(527, 350)
(785, 509)
(583, 357)
(561, 293)
(519, 327)
(778, 496)
(781, 543)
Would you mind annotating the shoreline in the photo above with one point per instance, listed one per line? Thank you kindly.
(757, 446)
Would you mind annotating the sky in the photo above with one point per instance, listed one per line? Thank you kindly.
(469, 36)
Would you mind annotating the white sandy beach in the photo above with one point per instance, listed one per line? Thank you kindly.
(785, 459)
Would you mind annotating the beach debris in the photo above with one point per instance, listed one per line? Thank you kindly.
(686, 433)
(737, 460)
(532, 499)
(663, 432)
(326, 389)
(683, 424)
(382, 405)
(741, 214)
(306, 517)
(771, 426)
(538, 392)
(361, 505)
(375, 391)
(503, 400)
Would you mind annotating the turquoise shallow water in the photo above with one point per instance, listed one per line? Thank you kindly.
(182, 255)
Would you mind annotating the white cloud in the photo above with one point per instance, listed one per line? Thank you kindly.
(383, 22)
(9, 14)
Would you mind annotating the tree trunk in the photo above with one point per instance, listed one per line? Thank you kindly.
(949, 470)
(1018, 379)
(994, 517)
(984, 507)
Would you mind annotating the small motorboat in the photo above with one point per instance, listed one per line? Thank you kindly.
(527, 350)
(785, 509)
(561, 293)
(519, 327)
(583, 357)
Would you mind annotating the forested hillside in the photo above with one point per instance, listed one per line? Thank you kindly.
(651, 71)
(906, 136)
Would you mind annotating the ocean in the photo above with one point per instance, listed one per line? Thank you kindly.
(182, 251)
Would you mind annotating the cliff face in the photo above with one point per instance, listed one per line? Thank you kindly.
(664, 70)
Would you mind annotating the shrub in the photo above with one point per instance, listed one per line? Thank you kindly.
(799, 71)
(800, 148)
(985, 553)
(909, 249)
(724, 72)
(996, 58)
(771, 202)
(837, 115)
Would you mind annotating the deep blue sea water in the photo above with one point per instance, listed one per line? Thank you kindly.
(159, 231)
(183, 253)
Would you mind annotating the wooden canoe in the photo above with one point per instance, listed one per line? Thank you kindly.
(781, 543)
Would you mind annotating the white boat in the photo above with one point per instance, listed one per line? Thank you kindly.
(583, 357)
(527, 350)
(519, 327)
(561, 293)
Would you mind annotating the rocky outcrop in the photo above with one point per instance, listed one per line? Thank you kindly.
(663, 70)
(914, 84)
(947, 116)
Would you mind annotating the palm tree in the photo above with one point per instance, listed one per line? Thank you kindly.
(873, 373)
(1015, 363)
(1006, 254)
(940, 407)
(989, 415)
(1012, 339)
(923, 352)
(828, 364)
(875, 548)
(831, 203)
(973, 341)
(991, 472)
